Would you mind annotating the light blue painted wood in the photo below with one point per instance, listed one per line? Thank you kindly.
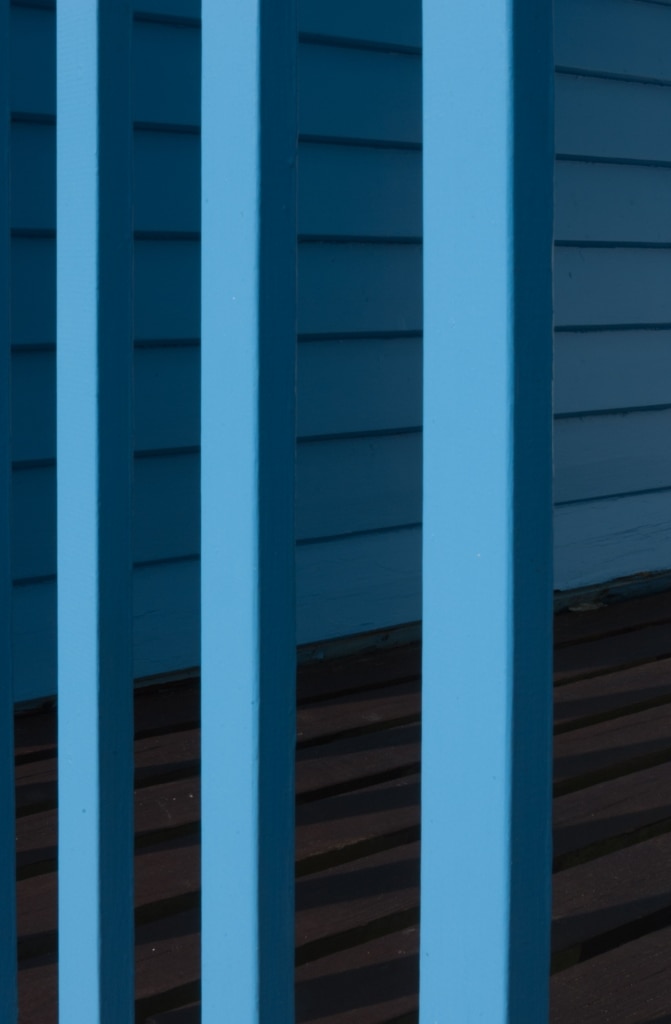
(390, 22)
(359, 192)
(611, 370)
(367, 384)
(619, 37)
(603, 117)
(248, 428)
(359, 288)
(605, 540)
(485, 912)
(8, 982)
(597, 456)
(597, 202)
(597, 287)
(334, 78)
(94, 513)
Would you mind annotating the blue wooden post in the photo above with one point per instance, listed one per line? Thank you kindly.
(8, 1007)
(248, 632)
(488, 156)
(94, 353)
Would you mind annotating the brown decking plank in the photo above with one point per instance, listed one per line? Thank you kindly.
(367, 708)
(157, 808)
(611, 892)
(318, 680)
(356, 894)
(628, 985)
(621, 741)
(339, 822)
(351, 761)
(611, 809)
(595, 657)
(574, 627)
(167, 958)
(612, 693)
(368, 984)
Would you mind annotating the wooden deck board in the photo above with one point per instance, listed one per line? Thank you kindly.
(358, 829)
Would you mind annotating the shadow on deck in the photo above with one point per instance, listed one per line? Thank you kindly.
(358, 835)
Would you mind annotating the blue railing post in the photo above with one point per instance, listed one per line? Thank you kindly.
(487, 698)
(248, 632)
(94, 459)
(8, 1004)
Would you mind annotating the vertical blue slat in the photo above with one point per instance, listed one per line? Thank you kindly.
(248, 632)
(8, 1006)
(94, 329)
(488, 152)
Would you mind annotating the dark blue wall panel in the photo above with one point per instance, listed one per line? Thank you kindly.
(612, 276)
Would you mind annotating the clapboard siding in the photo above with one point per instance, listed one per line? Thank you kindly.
(166, 406)
(602, 370)
(611, 119)
(378, 22)
(33, 62)
(607, 287)
(612, 290)
(359, 484)
(359, 191)
(33, 291)
(359, 288)
(166, 202)
(166, 74)
(617, 37)
(359, 95)
(359, 357)
(616, 203)
(602, 540)
(596, 455)
(33, 163)
(347, 386)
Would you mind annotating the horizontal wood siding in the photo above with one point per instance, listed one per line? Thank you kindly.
(359, 317)
(359, 314)
(166, 94)
(359, 322)
(612, 290)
